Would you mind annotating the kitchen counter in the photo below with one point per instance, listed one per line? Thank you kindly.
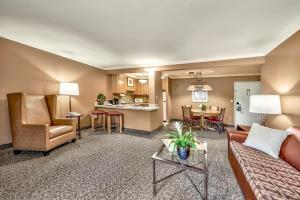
(145, 118)
(149, 108)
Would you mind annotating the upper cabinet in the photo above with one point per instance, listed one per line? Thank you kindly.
(122, 83)
(118, 84)
(142, 88)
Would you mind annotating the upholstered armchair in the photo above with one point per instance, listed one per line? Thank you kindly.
(34, 124)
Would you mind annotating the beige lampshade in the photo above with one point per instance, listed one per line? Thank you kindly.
(70, 89)
(266, 104)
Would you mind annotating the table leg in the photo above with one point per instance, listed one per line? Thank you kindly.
(154, 178)
(108, 124)
(93, 123)
(79, 128)
(104, 122)
(121, 123)
(202, 122)
(205, 186)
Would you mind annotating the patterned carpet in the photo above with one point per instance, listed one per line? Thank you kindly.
(117, 166)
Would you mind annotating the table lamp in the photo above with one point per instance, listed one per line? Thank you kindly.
(265, 104)
(69, 89)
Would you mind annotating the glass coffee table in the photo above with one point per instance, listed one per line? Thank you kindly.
(196, 162)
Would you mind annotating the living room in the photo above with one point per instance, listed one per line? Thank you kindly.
(130, 76)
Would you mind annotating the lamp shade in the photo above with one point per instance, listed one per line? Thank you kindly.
(266, 104)
(69, 89)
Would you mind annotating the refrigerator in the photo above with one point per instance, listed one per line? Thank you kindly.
(164, 105)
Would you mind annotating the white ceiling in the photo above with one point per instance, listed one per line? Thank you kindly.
(112, 34)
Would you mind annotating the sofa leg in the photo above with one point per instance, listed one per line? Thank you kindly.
(73, 141)
(46, 153)
(17, 152)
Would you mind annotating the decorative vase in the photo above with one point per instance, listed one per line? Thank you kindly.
(183, 153)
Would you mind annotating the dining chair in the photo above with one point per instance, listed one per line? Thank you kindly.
(212, 108)
(219, 121)
(188, 117)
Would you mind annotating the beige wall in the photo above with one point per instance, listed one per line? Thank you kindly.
(221, 95)
(26, 69)
(281, 75)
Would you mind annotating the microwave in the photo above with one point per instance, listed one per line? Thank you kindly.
(138, 100)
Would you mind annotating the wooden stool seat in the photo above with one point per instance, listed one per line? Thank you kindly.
(98, 114)
(119, 120)
(114, 113)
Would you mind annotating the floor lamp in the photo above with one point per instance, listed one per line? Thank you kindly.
(265, 104)
(69, 89)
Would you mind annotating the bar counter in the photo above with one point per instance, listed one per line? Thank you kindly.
(146, 118)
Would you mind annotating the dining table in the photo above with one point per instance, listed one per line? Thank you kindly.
(204, 113)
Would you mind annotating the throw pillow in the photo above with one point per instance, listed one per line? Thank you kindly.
(266, 139)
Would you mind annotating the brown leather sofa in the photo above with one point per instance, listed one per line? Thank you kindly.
(289, 163)
(34, 124)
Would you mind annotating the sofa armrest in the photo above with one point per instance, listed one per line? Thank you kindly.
(64, 121)
(31, 137)
(238, 136)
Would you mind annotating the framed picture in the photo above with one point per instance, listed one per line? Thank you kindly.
(200, 96)
(130, 82)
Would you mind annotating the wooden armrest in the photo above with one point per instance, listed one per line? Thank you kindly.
(238, 136)
(64, 121)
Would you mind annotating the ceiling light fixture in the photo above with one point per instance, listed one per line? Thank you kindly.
(143, 80)
(198, 83)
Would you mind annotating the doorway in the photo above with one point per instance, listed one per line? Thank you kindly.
(242, 92)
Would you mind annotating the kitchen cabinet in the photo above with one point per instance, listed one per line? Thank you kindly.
(134, 87)
(142, 89)
(119, 84)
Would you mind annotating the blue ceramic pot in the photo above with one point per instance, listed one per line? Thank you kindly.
(183, 153)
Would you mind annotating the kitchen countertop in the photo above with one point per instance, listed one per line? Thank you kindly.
(149, 108)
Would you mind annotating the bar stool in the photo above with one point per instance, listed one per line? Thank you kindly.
(118, 116)
(100, 115)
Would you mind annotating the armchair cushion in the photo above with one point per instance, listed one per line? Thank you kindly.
(56, 131)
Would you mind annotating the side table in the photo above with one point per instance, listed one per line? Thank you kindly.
(78, 130)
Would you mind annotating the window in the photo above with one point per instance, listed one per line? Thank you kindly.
(200, 96)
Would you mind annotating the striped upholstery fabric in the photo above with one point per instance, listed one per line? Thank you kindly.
(269, 178)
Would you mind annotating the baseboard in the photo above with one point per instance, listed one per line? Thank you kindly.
(141, 131)
(5, 146)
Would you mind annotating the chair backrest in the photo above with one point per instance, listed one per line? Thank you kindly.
(222, 114)
(52, 101)
(35, 110)
(186, 111)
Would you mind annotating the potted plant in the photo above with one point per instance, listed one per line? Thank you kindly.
(182, 141)
(101, 99)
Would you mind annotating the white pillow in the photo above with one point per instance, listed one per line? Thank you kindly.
(266, 139)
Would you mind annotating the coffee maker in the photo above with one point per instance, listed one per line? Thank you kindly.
(115, 101)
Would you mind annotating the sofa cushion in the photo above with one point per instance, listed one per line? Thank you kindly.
(269, 178)
(56, 131)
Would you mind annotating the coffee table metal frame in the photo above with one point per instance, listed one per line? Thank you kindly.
(184, 166)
